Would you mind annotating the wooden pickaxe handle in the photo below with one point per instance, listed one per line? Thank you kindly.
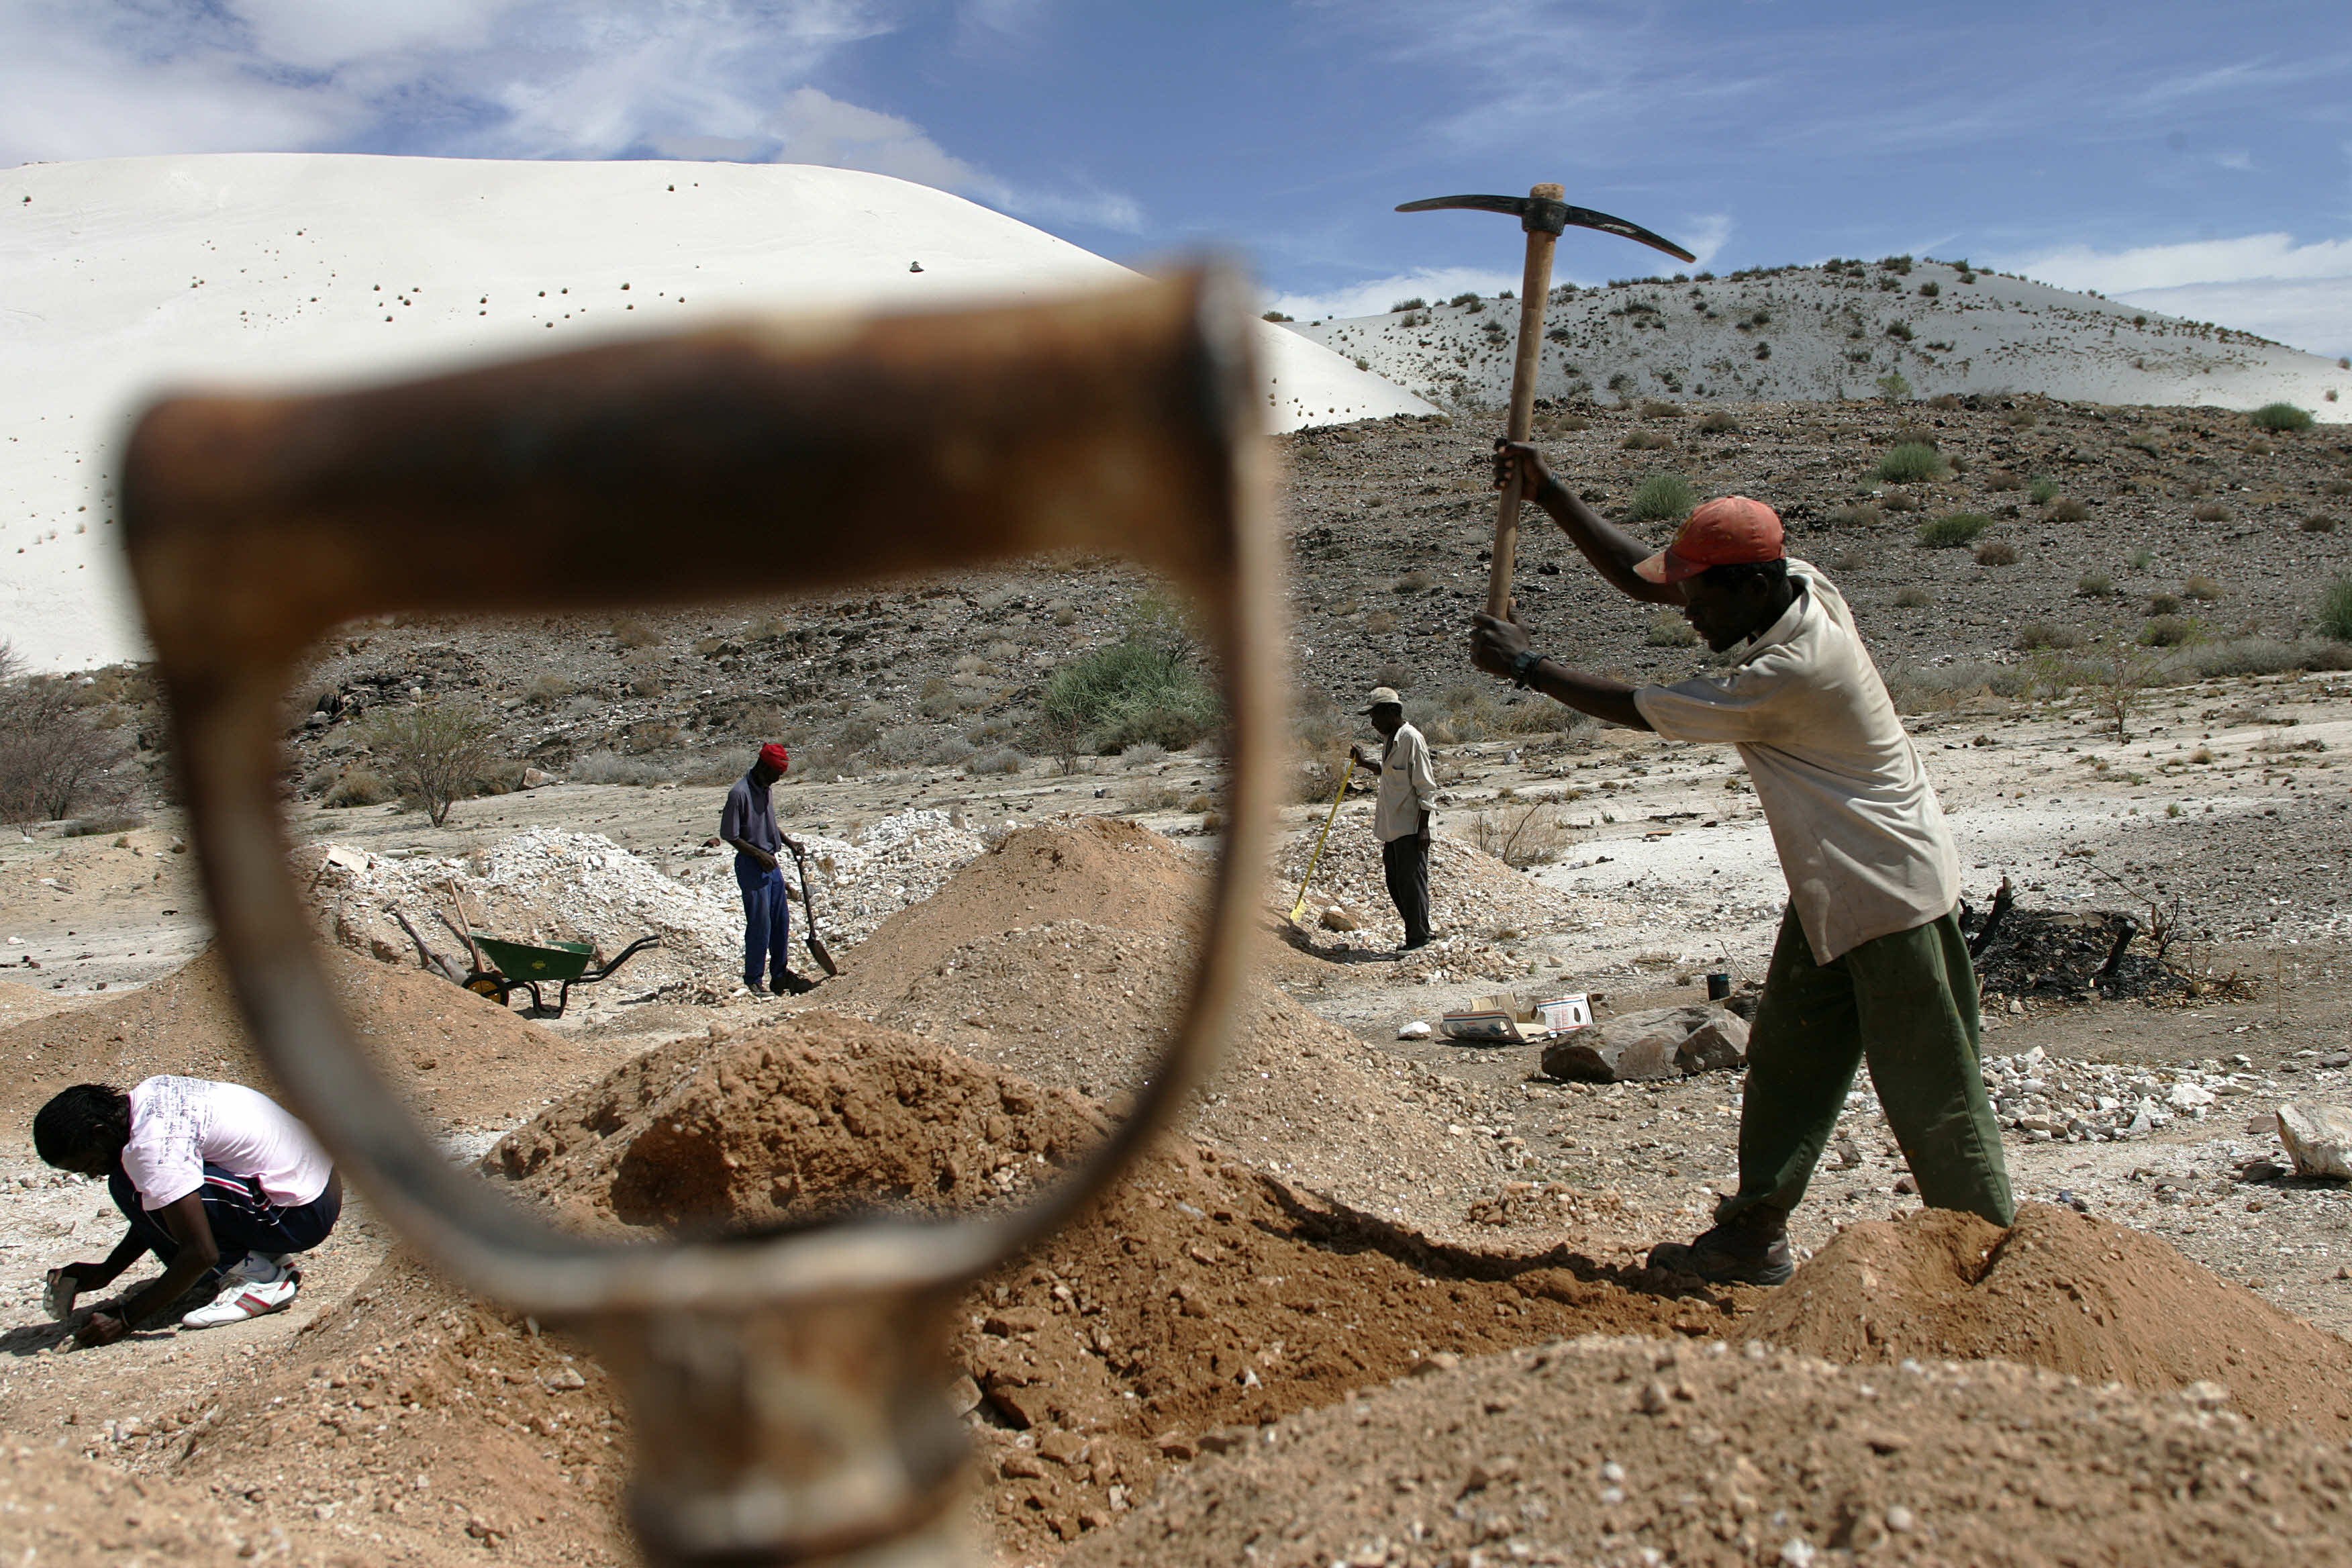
(1534, 287)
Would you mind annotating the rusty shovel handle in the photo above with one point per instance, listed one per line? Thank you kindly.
(763, 458)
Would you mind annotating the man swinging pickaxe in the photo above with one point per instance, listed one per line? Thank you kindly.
(1543, 215)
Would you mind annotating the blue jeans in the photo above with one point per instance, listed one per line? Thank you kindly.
(242, 1216)
(767, 921)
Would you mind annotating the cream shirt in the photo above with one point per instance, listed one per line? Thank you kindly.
(1861, 836)
(1408, 787)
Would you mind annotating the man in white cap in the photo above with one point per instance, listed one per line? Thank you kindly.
(1870, 965)
(1401, 819)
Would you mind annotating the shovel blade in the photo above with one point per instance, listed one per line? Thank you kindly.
(823, 956)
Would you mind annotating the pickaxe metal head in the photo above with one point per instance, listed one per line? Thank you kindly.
(1542, 215)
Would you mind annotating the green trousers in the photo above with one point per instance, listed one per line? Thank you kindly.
(1906, 1003)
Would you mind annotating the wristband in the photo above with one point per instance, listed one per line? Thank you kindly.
(1524, 666)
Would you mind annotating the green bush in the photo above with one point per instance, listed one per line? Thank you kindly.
(2095, 584)
(1661, 496)
(2281, 416)
(1955, 532)
(2044, 490)
(2336, 609)
(1148, 686)
(1913, 462)
(433, 752)
(1415, 303)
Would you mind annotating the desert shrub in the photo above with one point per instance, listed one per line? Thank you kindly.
(433, 752)
(549, 689)
(2335, 615)
(1003, 760)
(2205, 590)
(1520, 836)
(1929, 289)
(1646, 441)
(2140, 560)
(2095, 584)
(2281, 416)
(2041, 490)
(645, 678)
(1859, 515)
(1913, 462)
(1911, 596)
(1380, 622)
(55, 759)
(1954, 531)
(2319, 522)
(1900, 499)
(2034, 636)
(106, 822)
(1148, 686)
(2168, 631)
(634, 633)
(2209, 512)
(358, 787)
(605, 767)
(1716, 421)
(2246, 655)
(1892, 386)
(1997, 552)
(1147, 795)
(2066, 509)
(2003, 479)
(1661, 496)
(1668, 629)
(1763, 350)
(1845, 560)
(1468, 297)
(1420, 580)
(1899, 330)
(1143, 754)
(1415, 303)
(988, 731)
(1658, 408)
(2164, 603)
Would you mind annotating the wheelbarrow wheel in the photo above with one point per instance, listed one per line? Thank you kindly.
(481, 983)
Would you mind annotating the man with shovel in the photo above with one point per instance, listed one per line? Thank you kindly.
(1869, 964)
(748, 824)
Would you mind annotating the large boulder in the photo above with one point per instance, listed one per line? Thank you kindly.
(2318, 1139)
(1661, 1043)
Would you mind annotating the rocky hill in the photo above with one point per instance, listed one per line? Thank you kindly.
(1845, 329)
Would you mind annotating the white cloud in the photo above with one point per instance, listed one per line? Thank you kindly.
(2251, 257)
(1705, 237)
(511, 78)
(1374, 297)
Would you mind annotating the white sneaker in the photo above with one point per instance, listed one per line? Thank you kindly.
(239, 1301)
(253, 1269)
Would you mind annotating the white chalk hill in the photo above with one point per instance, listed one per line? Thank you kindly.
(1808, 333)
(123, 276)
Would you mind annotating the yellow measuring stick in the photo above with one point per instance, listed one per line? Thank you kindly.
(1346, 773)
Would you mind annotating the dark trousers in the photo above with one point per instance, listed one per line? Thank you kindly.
(1406, 861)
(1906, 1003)
(767, 920)
(242, 1217)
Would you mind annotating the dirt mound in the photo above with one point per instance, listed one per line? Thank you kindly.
(2062, 1290)
(455, 1056)
(20, 1003)
(1086, 1007)
(62, 1510)
(1622, 1453)
(411, 1426)
(1199, 1295)
(821, 1112)
(1104, 870)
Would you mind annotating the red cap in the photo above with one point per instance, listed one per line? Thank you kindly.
(1729, 531)
(775, 756)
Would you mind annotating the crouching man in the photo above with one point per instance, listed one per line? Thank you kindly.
(223, 1187)
(1870, 965)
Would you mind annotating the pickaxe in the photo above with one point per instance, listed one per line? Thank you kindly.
(1543, 215)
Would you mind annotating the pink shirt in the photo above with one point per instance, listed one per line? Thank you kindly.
(180, 1125)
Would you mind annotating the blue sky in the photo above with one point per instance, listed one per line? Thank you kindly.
(2196, 157)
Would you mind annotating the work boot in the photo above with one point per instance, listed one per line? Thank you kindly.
(1745, 1251)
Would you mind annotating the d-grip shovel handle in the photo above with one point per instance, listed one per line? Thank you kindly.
(760, 458)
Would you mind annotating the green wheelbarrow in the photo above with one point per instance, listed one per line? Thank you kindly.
(504, 967)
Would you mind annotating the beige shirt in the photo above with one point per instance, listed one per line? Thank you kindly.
(1860, 833)
(1408, 787)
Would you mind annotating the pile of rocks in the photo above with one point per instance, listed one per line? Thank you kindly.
(2052, 1098)
(861, 881)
